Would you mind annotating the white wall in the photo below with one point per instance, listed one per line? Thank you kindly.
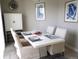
(2, 43)
(28, 10)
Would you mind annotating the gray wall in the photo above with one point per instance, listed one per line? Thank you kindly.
(72, 36)
(54, 16)
(27, 7)
(30, 22)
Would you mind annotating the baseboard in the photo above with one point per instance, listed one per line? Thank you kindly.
(74, 49)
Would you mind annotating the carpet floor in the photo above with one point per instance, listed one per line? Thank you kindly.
(10, 53)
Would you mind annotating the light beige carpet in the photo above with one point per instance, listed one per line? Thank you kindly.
(10, 53)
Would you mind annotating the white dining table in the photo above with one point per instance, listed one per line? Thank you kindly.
(44, 41)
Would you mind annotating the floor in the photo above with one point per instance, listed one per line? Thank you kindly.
(10, 53)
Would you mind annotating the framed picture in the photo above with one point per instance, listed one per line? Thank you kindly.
(40, 11)
(71, 11)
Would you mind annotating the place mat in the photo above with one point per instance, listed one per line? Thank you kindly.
(34, 38)
(52, 36)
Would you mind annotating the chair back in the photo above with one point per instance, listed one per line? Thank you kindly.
(61, 32)
(50, 30)
(16, 39)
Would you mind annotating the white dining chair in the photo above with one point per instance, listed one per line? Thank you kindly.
(58, 47)
(24, 51)
(61, 32)
(50, 30)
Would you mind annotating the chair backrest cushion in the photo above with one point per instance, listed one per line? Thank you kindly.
(16, 39)
(61, 32)
(50, 30)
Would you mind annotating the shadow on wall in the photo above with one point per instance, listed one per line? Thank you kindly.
(72, 39)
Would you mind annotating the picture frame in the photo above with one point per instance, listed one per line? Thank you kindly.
(40, 11)
(71, 11)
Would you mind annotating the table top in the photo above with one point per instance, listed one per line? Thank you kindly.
(38, 41)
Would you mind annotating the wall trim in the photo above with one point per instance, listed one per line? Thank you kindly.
(74, 49)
